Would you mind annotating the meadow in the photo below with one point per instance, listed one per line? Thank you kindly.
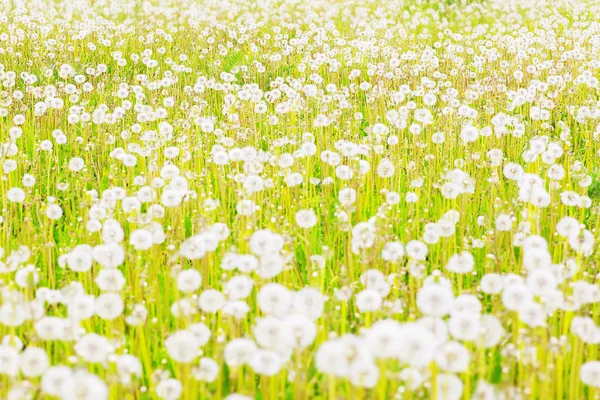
(293, 199)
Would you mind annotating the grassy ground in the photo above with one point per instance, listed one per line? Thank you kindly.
(430, 169)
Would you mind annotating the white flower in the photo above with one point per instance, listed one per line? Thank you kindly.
(15, 195)
(385, 168)
(435, 300)
(9, 360)
(169, 389)
(141, 239)
(182, 346)
(239, 351)
(450, 387)
(57, 379)
(246, 207)
(110, 280)
(109, 306)
(368, 300)
(54, 212)
(306, 218)
(461, 263)
(452, 357)
(274, 299)
(392, 251)
(93, 348)
(189, 280)
(590, 373)
(211, 301)
(207, 370)
(266, 362)
(76, 164)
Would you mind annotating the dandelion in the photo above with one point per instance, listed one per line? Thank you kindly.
(306, 219)
(76, 164)
(10, 360)
(368, 300)
(54, 212)
(274, 299)
(93, 348)
(239, 351)
(207, 370)
(16, 195)
(188, 280)
(169, 389)
(57, 379)
(435, 300)
(590, 373)
(109, 306)
(182, 346)
(452, 357)
(461, 263)
(141, 239)
(450, 387)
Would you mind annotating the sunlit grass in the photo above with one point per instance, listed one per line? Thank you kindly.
(291, 199)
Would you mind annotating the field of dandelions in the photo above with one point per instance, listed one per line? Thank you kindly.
(291, 199)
